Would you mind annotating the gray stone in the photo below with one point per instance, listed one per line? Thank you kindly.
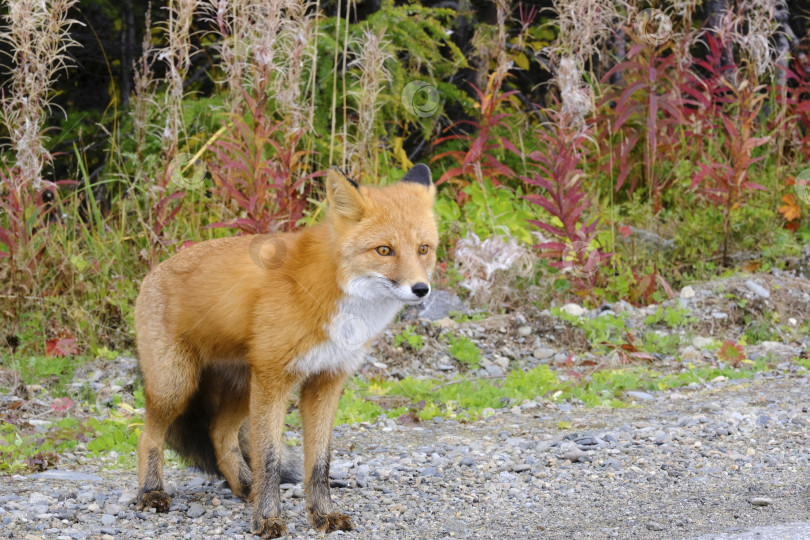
(524, 331)
(57, 474)
(757, 289)
(440, 304)
(761, 501)
(763, 420)
(637, 394)
(128, 497)
(493, 370)
(108, 520)
(542, 353)
(195, 510)
(86, 496)
(570, 451)
(221, 512)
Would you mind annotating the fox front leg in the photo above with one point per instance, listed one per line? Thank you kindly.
(318, 404)
(268, 406)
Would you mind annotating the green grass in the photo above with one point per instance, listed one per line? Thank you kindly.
(50, 371)
(673, 316)
(804, 362)
(411, 338)
(464, 350)
(463, 399)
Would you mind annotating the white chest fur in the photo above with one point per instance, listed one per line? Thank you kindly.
(362, 314)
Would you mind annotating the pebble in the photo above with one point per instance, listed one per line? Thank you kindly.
(757, 289)
(543, 353)
(761, 501)
(195, 510)
(688, 292)
(574, 310)
(524, 331)
(637, 394)
(700, 342)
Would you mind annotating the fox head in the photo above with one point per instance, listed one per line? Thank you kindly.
(386, 238)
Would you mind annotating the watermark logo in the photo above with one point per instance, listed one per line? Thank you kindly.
(267, 251)
(580, 259)
(186, 171)
(349, 331)
(420, 98)
(802, 186)
(653, 26)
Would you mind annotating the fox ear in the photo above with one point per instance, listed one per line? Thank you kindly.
(419, 174)
(343, 195)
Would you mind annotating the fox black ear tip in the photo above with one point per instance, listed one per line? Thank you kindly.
(419, 174)
(338, 170)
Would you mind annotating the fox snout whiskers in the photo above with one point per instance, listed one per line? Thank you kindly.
(413, 294)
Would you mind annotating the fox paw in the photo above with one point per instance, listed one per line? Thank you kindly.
(269, 528)
(331, 522)
(159, 500)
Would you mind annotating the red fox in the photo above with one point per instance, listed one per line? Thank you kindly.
(226, 329)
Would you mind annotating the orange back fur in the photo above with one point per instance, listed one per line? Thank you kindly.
(271, 299)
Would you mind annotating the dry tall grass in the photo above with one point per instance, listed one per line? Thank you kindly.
(363, 154)
(177, 56)
(37, 35)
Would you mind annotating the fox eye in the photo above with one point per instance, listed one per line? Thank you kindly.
(385, 251)
(423, 249)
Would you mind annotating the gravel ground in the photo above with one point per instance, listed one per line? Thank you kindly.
(713, 461)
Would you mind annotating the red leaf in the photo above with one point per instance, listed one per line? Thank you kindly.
(62, 404)
(61, 346)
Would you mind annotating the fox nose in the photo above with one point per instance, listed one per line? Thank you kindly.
(420, 289)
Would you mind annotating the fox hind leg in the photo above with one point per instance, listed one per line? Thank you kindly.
(168, 386)
(225, 436)
(320, 394)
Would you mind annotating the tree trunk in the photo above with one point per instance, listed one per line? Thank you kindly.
(127, 48)
(784, 37)
(715, 9)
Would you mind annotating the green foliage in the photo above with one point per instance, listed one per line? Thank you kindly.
(408, 335)
(113, 434)
(759, 330)
(606, 328)
(673, 316)
(22, 451)
(666, 344)
(466, 399)
(609, 332)
(464, 350)
(804, 362)
(53, 371)
(472, 317)
(488, 210)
